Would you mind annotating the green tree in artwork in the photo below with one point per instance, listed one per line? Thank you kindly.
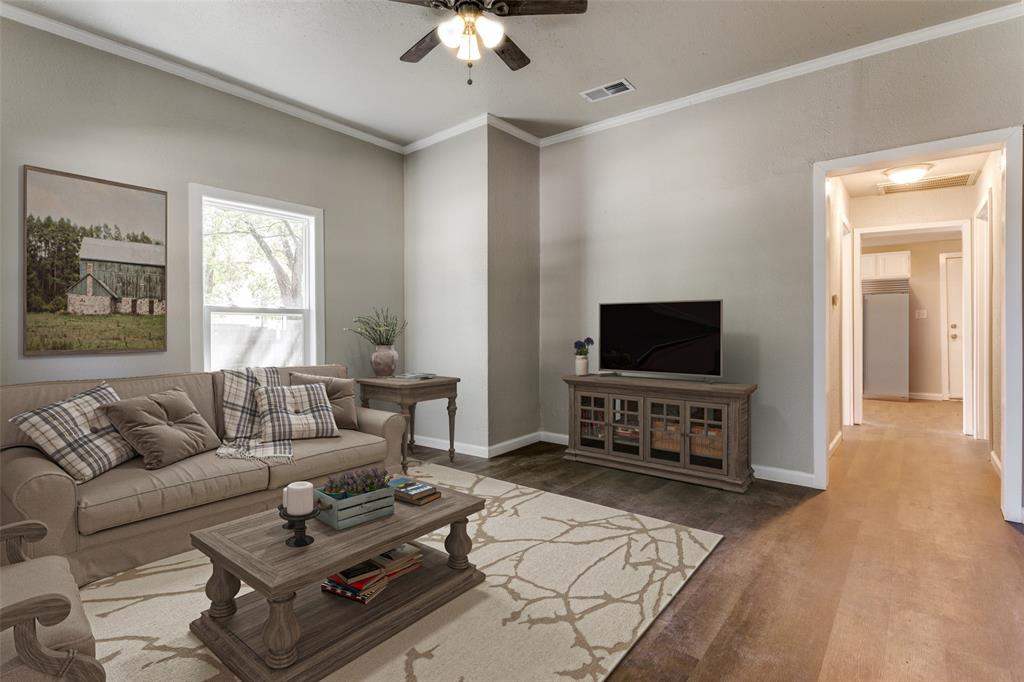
(51, 261)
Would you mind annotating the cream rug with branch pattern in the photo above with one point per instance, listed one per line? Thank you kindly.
(570, 588)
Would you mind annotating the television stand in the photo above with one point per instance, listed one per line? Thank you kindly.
(684, 430)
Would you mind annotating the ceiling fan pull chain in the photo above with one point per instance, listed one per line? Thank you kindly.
(469, 81)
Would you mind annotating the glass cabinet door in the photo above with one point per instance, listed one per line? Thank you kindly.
(665, 431)
(592, 421)
(625, 426)
(705, 433)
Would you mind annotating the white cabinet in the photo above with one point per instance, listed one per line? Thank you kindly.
(890, 265)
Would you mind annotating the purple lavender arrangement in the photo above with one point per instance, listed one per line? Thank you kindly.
(351, 483)
(583, 347)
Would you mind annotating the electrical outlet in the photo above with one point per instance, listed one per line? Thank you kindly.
(921, 314)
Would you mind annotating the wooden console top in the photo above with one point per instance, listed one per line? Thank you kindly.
(619, 382)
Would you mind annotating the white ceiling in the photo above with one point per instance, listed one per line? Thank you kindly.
(866, 183)
(340, 58)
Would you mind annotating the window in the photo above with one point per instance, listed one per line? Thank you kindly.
(256, 282)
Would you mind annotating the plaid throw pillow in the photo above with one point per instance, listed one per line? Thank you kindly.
(76, 435)
(295, 412)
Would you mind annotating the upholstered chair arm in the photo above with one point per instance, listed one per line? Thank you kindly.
(34, 487)
(389, 426)
(47, 609)
(14, 535)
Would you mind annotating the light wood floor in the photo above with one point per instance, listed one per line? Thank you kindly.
(902, 570)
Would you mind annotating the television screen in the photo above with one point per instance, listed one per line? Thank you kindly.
(684, 337)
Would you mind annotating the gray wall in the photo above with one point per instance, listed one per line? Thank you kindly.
(72, 108)
(446, 278)
(714, 201)
(513, 286)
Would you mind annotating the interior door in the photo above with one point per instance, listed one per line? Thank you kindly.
(954, 326)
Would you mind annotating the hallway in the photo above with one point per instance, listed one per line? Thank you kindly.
(902, 570)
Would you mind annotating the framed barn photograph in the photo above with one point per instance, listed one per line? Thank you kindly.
(95, 265)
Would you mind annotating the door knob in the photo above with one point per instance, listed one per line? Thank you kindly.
(952, 326)
(953, 336)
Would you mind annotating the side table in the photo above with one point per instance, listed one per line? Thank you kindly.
(406, 393)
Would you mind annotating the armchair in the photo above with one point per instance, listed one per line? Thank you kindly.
(42, 622)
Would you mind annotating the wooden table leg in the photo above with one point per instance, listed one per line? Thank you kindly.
(281, 632)
(221, 588)
(405, 440)
(451, 429)
(364, 401)
(412, 428)
(458, 544)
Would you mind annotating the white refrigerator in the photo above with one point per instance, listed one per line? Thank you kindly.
(887, 346)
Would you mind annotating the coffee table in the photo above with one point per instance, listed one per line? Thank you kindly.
(288, 629)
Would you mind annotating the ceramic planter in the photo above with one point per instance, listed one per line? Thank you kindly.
(582, 365)
(384, 361)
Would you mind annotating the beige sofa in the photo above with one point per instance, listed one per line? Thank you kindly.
(129, 515)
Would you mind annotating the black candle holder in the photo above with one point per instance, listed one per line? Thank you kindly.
(297, 524)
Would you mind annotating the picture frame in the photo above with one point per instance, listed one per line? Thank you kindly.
(94, 265)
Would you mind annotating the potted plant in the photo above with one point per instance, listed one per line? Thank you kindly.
(583, 355)
(355, 497)
(382, 329)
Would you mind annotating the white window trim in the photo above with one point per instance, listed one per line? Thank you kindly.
(198, 313)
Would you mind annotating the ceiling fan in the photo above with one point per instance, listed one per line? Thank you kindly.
(469, 27)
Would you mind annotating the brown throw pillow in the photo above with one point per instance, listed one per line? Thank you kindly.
(341, 393)
(163, 427)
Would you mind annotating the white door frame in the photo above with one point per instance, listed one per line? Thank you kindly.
(944, 321)
(1010, 141)
(848, 267)
(964, 228)
(982, 314)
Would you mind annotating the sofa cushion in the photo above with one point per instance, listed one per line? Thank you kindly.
(295, 413)
(324, 456)
(163, 427)
(341, 393)
(76, 434)
(45, 575)
(131, 492)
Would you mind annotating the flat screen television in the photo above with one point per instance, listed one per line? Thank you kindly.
(680, 337)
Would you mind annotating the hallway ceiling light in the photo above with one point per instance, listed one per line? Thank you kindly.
(905, 174)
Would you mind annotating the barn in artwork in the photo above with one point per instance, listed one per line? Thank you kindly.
(119, 277)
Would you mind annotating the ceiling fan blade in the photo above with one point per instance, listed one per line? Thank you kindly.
(510, 53)
(433, 4)
(421, 48)
(520, 8)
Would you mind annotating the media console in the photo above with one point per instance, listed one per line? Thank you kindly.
(684, 430)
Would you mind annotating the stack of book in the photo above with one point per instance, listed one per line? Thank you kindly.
(365, 581)
(414, 492)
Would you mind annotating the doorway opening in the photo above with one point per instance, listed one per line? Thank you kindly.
(918, 297)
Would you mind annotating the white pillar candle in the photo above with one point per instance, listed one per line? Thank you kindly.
(298, 498)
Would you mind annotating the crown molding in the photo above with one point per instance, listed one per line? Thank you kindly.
(923, 35)
(99, 42)
(987, 18)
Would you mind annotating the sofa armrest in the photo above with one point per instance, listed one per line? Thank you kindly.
(34, 488)
(388, 425)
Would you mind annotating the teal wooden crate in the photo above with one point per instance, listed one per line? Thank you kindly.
(352, 511)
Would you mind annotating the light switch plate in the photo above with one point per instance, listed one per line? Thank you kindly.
(921, 314)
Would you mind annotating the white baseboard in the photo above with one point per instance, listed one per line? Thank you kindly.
(488, 451)
(835, 443)
(993, 458)
(766, 473)
(927, 396)
(556, 438)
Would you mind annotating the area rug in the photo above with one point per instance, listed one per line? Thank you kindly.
(570, 588)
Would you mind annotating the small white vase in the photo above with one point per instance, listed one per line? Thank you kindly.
(582, 365)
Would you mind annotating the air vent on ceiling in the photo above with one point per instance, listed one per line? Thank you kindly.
(619, 87)
(936, 182)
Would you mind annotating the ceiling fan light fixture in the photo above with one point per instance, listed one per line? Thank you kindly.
(907, 174)
(469, 48)
(450, 32)
(491, 32)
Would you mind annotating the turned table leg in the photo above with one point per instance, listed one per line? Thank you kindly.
(221, 588)
(405, 440)
(412, 427)
(458, 544)
(451, 429)
(281, 632)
